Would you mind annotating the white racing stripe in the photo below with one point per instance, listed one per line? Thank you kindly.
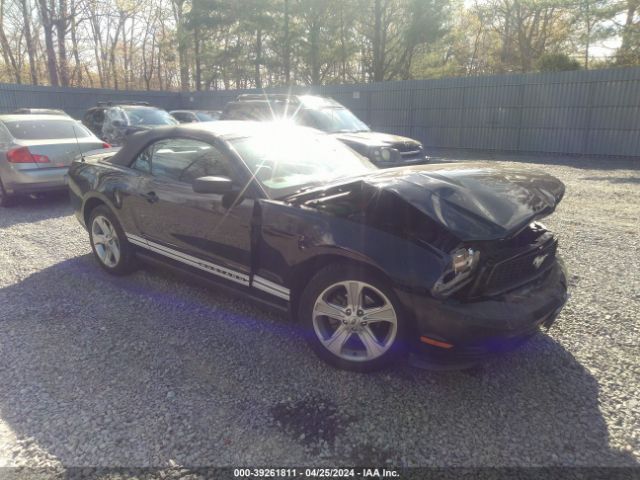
(271, 287)
(258, 282)
(223, 272)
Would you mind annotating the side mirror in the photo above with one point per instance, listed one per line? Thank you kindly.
(212, 185)
(117, 123)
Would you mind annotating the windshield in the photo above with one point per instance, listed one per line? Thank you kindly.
(46, 129)
(289, 160)
(207, 116)
(335, 120)
(149, 116)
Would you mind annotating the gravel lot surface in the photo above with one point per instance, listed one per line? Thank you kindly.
(152, 370)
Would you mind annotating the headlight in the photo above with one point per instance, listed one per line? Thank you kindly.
(464, 260)
(385, 154)
(463, 263)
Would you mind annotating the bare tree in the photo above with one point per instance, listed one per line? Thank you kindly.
(31, 49)
(629, 53)
(47, 25)
(9, 57)
(178, 7)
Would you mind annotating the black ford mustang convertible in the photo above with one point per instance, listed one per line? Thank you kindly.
(447, 262)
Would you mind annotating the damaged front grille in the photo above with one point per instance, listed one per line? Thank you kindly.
(514, 272)
(517, 262)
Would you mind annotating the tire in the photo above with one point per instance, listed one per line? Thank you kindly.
(6, 200)
(109, 242)
(329, 315)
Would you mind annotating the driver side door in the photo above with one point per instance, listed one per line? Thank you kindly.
(188, 226)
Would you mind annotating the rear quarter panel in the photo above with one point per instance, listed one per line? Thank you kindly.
(95, 181)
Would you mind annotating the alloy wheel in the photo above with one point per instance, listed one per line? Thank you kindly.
(105, 241)
(355, 321)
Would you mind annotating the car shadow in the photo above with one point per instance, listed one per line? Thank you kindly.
(29, 209)
(144, 370)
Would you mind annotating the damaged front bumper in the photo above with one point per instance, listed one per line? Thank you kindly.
(460, 334)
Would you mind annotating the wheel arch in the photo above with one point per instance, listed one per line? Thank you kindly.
(91, 203)
(304, 271)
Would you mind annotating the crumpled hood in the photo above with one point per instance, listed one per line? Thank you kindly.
(374, 139)
(474, 202)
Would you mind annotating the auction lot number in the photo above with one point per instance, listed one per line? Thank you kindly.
(313, 473)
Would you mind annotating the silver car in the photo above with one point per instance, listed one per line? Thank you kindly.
(193, 116)
(40, 111)
(36, 151)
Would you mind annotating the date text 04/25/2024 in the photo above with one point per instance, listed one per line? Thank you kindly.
(315, 473)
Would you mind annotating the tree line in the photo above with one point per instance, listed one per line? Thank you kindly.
(230, 44)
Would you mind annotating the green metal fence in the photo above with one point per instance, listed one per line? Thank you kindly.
(594, 112)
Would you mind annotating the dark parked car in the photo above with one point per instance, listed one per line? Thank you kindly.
(114, 121)
(446, 260)
(36, 151)
(383, 149)
(191, 116)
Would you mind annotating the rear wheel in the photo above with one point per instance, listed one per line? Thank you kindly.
(353, 318)
(109, 242)
(6, 200)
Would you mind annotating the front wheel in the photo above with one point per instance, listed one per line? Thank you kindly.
(353, 318)
(109, 242)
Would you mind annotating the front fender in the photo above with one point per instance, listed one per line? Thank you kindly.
(292, 235)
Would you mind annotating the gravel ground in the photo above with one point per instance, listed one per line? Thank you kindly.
(150, 370)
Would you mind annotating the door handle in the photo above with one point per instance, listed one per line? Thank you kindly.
(150, 197)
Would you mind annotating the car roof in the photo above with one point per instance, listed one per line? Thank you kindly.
(204, 131)
(137, 107)
(41, 110)
(307, 101)
(193, 111)
(14, 117)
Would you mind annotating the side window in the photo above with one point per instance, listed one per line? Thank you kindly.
(114, 113)
(88, 118)
(183, 160)
(188, 117)
(143, 160)
(236, 112)
(260, 112)
(98, 117)
(180, 116)
(305, 118)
